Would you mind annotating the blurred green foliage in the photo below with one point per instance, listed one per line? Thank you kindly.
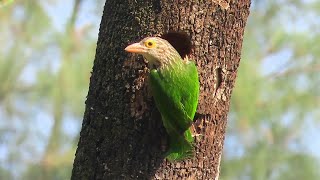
(275, 101)
(46, 55)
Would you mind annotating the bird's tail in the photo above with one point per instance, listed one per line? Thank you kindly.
(180, 146)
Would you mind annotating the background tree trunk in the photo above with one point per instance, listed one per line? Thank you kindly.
(122, 136)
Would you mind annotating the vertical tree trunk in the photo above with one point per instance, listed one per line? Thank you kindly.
(122, 136)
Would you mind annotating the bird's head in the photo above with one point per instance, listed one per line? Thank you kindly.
(157, 51)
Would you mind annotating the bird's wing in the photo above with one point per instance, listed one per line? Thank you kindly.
(174, 99)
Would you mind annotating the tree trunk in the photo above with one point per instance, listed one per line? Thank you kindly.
(122, 136)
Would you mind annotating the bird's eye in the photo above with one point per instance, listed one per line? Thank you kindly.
(149, 44)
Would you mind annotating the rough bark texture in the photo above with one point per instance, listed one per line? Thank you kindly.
(122, 136)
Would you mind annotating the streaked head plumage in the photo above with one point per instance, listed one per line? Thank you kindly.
(156, 50)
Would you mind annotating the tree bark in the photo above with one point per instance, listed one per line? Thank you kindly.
(122, 136)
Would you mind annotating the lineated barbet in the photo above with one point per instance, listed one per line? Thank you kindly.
(174, 86)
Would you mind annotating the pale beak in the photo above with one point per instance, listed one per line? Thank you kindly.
(135, 48)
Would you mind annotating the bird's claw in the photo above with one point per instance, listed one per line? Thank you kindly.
(196, 135)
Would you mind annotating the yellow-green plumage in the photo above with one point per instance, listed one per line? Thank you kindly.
(175, 87)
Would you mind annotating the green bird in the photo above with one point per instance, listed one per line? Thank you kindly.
(174, 86)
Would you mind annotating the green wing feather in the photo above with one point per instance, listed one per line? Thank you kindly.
(176, 90)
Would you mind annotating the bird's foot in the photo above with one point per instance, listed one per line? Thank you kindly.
(196, 135)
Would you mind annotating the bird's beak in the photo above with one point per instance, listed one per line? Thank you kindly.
(135, 48)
